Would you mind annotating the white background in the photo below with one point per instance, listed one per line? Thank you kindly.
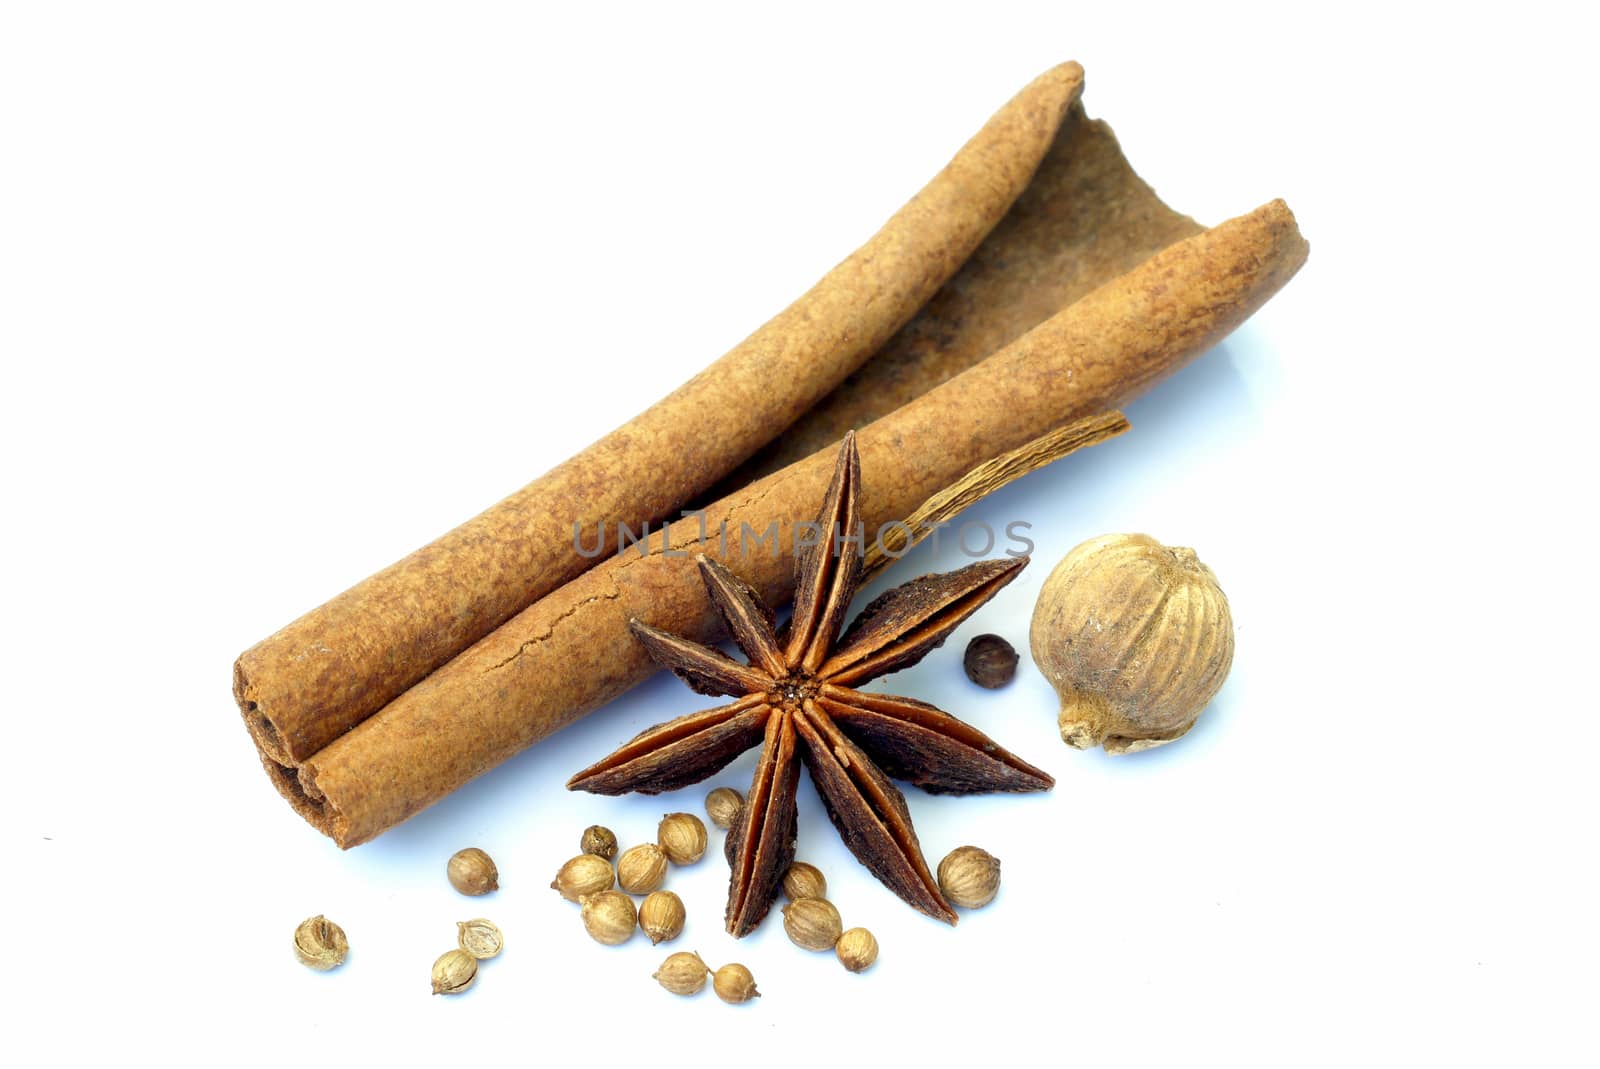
(288, 289)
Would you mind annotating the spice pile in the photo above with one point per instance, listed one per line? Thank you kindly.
(1136, 637)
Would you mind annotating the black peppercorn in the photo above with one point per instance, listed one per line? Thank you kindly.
(990, 662)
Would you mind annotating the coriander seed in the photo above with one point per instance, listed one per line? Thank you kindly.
(608, 917)
(320, 944)
(857, 949)
(734, 983)
(969, 877)
(642, 869)
(472, 872)
(586, 874)
(723, 806)
(480, 938)
(804, 881)
(682, 837)
(661, 915)
(454, 972)
(599, 841)
(684, 973)
(990, 662)
(812, 923)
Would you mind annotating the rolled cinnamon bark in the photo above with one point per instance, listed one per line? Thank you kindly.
(326, 672)
(1084, 219)
(571, 651)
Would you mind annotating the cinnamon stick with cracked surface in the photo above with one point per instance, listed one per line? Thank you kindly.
(572, 651)
(328, 671)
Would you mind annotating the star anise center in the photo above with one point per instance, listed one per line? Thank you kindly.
(794, 690)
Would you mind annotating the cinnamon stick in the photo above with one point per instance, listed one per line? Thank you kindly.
(324, 673)
(571, 651)
(1084, 219)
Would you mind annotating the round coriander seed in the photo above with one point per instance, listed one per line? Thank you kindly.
(734, 983)
(608, 917)
(990, 661)
(454, 972)
(682, 837)
(812, 923)
(642, 869)
(599, 841)
(804, 881)
(480, 938)
(723, 806)
(472, 872)
(857, 949)
(586, 874)
(661, 915)
(320, 944)
(969, 877)
(684, 973)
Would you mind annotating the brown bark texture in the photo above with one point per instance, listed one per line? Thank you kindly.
(1084, 219)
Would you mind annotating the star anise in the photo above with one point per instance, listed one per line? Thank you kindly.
(797, 696)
